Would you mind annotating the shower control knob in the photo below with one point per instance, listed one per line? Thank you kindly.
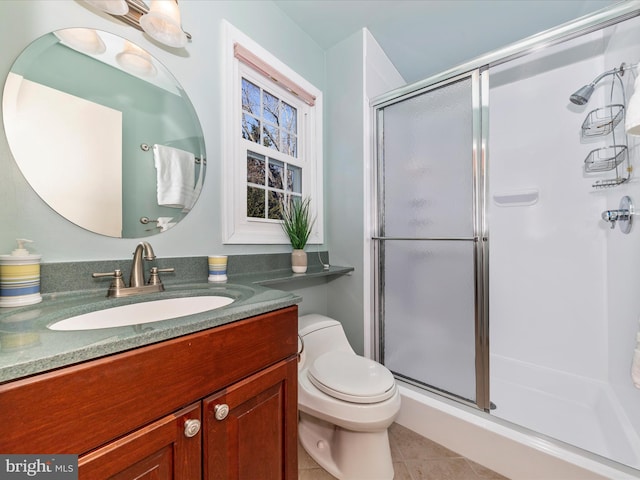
(611, 216)
(623, 216)
(221, 411)
(191, 427)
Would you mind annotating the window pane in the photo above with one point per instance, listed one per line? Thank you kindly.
(275, 205)
(276, 174)
(250, 128)
(250, 97)
(289, 118)
(289, 144)
(270, 138)
(255, 202)
(293, 198)
(294, 179)
(255, 168)
(271, 108)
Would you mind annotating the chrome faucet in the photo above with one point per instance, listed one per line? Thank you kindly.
(137, 285)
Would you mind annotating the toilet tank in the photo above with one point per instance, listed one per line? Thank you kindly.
(321, 334)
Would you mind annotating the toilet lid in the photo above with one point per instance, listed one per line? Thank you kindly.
(352, 378)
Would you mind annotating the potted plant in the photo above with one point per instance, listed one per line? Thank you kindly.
(297, 224)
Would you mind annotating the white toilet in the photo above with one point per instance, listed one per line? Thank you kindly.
(346, 404)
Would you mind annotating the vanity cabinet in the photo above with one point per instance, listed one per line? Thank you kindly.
(125, 415)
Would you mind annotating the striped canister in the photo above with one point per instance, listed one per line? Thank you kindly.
(217, 268)
(19, 280)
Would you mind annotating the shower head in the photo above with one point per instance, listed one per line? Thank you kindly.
(582, 95)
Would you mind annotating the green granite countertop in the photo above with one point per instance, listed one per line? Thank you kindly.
(27, 346)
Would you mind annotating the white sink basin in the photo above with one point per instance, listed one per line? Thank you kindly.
(145, 312)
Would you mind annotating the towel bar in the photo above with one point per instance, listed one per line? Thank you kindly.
(145, 147)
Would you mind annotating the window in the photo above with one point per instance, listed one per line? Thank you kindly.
(276, 178)
(272, 144)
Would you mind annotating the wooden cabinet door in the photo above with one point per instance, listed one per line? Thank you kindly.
(159, 451)
(250, 428)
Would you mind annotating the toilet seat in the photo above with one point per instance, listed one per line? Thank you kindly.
(350, 377)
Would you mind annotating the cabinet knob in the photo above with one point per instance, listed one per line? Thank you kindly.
(191, 428)
(221, 411)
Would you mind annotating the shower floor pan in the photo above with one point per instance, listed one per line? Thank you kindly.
(576, 410)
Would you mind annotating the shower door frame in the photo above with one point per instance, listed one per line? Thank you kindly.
(576, 28)
(479, 105)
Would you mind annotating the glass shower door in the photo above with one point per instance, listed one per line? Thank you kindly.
(429, 244)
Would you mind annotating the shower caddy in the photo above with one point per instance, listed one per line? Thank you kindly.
(602, 122)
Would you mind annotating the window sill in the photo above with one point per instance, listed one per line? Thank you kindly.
(287, 276)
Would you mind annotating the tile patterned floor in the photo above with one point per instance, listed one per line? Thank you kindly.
(414, 458)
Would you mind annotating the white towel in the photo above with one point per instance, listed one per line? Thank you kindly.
(196, 189)
(175, 172)
(165, 223)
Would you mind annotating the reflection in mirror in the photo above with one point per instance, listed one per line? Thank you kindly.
(104, 133)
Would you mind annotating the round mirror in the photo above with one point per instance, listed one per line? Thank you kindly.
(104, 133)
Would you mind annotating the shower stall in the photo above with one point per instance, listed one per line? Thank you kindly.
(499, 283)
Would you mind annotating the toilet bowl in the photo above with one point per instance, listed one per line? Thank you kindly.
(346, 404)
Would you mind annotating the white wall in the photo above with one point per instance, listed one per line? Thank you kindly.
(547, 260)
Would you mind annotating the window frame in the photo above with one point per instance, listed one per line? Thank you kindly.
(237, 227)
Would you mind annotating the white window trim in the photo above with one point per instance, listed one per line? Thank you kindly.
(236, 228)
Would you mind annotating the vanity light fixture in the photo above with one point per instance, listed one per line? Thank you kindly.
(160, 19)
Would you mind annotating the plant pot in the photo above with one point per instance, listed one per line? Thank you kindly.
(299, 261)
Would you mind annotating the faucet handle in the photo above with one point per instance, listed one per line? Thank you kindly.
(116, 285)
(116, 274)
(154, 278)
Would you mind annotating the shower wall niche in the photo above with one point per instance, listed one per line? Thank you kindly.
(564, 303)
